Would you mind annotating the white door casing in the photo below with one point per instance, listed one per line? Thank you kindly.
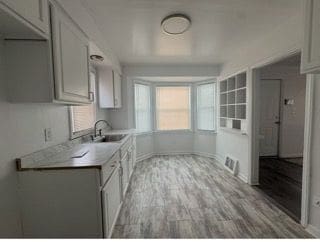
(269, 117)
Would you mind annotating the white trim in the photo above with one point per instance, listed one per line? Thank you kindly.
(313, 230)
(205, 154)
(173, 153)
(307, 151)
(144, 157)
(242, 177)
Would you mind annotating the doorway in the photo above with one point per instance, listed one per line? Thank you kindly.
(282, 95)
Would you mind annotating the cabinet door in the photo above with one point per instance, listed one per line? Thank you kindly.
(34, 11)
(106, 93)
(111, 202)
(311, 48)
(117, 90)
(71, 58)
(125, 174)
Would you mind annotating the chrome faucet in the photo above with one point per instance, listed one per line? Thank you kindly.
(100, 130)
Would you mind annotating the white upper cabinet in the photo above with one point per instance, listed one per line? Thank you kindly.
(34, 12)
(54, 70)
(117, 90)
(310, 62)
(109, 88)
(71, 58)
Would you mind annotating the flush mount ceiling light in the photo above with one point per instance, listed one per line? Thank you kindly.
(176, 24)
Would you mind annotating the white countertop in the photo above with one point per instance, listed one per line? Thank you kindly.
(97, 155)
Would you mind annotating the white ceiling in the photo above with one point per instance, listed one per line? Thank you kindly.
(132, 27)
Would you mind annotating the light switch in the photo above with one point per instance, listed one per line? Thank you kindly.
(47, 134)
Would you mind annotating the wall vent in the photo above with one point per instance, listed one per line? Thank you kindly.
(231, 165)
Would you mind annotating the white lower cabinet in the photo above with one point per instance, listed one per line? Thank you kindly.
(111, 199)
(75, 203)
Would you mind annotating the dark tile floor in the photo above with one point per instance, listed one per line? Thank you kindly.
(282, 181)
(193, 197)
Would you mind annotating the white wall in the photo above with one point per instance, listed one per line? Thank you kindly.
(293, 86)
(21, 133)
(285, 38)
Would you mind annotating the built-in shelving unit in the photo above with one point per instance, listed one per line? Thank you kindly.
(233, 102)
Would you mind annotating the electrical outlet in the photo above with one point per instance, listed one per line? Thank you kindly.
(47, 134)
(316, 201)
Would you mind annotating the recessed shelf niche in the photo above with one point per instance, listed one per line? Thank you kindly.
(233, 102)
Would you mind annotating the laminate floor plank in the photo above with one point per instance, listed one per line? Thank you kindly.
(188, 196)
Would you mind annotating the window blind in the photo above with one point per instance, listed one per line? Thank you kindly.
(206, 106)
(142, 107)
(84, 117)
(173, 108)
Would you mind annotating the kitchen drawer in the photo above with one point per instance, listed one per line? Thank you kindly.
(108, 168)
(125, 147)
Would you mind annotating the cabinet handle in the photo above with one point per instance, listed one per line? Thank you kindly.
(115, 102)
(91, 96)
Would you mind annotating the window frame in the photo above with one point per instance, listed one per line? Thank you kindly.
(212, 81)
(78, 134)
(136, 81)
(191, 107)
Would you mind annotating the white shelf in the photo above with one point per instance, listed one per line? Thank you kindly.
(233, 102)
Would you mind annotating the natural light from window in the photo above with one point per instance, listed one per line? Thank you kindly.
(142, 107)
(206, 106)
(173, 108)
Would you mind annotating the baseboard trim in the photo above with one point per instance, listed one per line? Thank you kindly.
(204, 154)
(242, 178)
(174, 153)
(313, 231)
(144, 157)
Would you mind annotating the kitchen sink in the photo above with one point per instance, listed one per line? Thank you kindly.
(111, 138)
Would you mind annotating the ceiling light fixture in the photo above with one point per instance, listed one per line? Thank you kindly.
(176, 24)
(97, 58)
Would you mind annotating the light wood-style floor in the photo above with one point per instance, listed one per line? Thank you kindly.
(189, 196)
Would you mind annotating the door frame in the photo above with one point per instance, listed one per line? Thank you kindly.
(253, 171)
(279, 114)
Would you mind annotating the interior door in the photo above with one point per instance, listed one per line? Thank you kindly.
(269, 117)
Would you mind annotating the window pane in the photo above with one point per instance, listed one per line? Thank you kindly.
(142, 108)
(173, 108)
(206, 106)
